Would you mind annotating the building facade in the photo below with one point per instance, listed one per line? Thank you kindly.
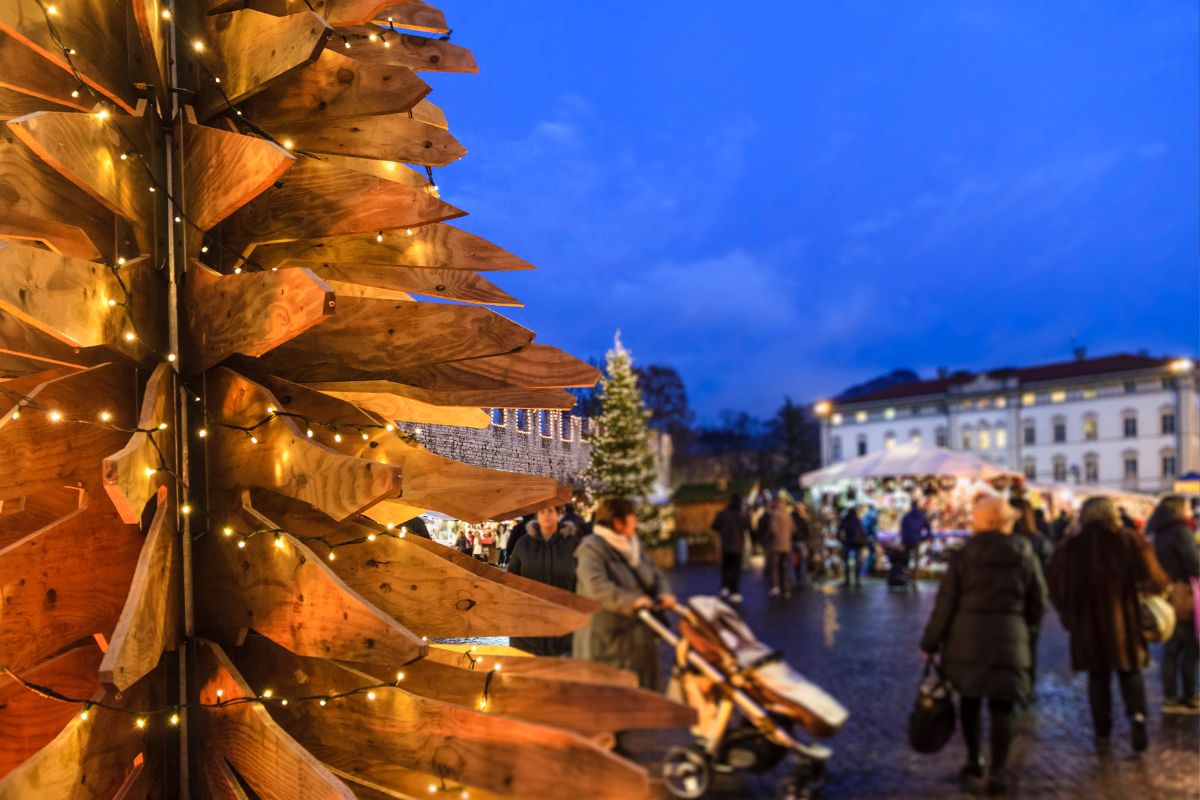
(1128, 422)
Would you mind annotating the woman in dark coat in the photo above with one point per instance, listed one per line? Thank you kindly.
(992, 595)
(612, 570)
(546, 554)
(1172, 528)
(1094, 581)
(1026, 526)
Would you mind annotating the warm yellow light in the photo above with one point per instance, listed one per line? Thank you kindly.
(162, 426)
(173, 720)
(370, 695)
(364, 436)
(279, 542)
(823, 408)
(321, 702)
(288, 144)
(52, 10)
(379, 236)
(373, 38)
(171, 357)
(370, 537)
(198, 45)
(270, 409)
(185, 509)
(253, 440)
(202, 432)
(241, 544)
(399, 676)
(150, 472)
(227, 531)
(337, 437)
(56, 416)
(308, 432)
(283, 702)
(140, 723)
(386, 43)
(408, 232)
(268, 694)
(220, 693)
(331, 555)
(1181, 365)
(112, 302)
(166, 13)
(102, 114)
(389, 427)
(83, 715)
(130, 336)
(392, 525)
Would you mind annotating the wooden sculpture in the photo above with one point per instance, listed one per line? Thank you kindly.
(219, 238)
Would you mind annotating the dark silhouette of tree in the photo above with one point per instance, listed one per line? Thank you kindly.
(794, 441)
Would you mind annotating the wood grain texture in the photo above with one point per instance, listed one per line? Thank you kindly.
(249, 313)
(285, 460)
(518, 662)
(223, 171)
(535, 366)
(288, 594)
(21, 515)
(151, 35)
(28, 73)
(41, 350)
(106, 69)
(395, 407)
(148, 624)
(415, 52)
(390, 137)
(365, 737)
(366, 336)
(414, 16)
(318, 200)
(427, 247)
(18, 104)
(30, 721)
(335, 87)
(248, 49)
(554, 399)
(275, 765)
(133, 474)
(65, 582)
(222, 783)
(455, 284)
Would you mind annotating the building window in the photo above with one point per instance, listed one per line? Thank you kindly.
(566, 427)
(1030, 469)
(1060, 469)
(860, 416)
(1168, 383)
(939, 437)
(1131, 467)
(1058, 396)
(1130, 387)
(889, 440)
(862, 445)
(1091, 430)
(1001, 402)
(1001, 438)
(1168, 422)
(498, 417)
(1028, 399)
(1129, 423)
(967, 439)
(1091, 468)
(914, 436)
(523, 420)
(889, 413)
(837, 419)
(1168, 464)
(985, 439)
(1060, 430)
(545, 428)
(1030, 432)
(835, 449)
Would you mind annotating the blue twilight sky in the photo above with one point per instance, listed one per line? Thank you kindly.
(800, 195)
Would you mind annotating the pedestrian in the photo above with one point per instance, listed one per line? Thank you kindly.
(1058, 530)
(1173, 530)
(870, 537)
(477, 550)
(547, 555)
(1094, 581)
(571, 515)
(502, 537)
(1026, 528)
(732, 525)
(850, 534)
(1043, 524)
(461, 543)
(801, 546)
(611, 569)
(914, 529)
(781, 531)
(992, 594)
(487, 535)
(520, 529)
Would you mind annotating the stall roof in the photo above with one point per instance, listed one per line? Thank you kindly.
(908, 460)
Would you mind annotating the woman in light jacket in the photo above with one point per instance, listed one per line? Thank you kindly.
(612, 570)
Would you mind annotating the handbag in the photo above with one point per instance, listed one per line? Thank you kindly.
(1156, 617)
(931, 722)
(1182, 601)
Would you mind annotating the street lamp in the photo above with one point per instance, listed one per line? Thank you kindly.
(822, 408)
(1179, 365)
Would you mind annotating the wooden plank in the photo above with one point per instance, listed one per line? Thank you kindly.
(334, 87)
(456, 284)
(415, 52)
(134, 474)
(148, 624)
(342, 289)
(318, 200)
(222, 783)
(366, 737)
(249, 313)
(223, 171)
(366, 336)
(428, 112)
(87, 758)
(81, 26)
(392, 137)
(535, 366)
(431, 589)
(27, 72)
(21, 515)
(414, 16)
(279, 587)
(41, 205)
(518, 662)
(248, 49)
(274, 764)
(397, 408)
(87, 151)
(17, 104)
(554, 399)
(43, 350)
(64, 582)
(12, 366)
(152, 29)
(30, 721)
(284, 459)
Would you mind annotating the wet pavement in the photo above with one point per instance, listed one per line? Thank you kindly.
(861, 646)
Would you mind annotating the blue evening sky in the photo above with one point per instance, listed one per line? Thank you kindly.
(789, 197)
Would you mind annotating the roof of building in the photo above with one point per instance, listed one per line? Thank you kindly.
(1062, 370)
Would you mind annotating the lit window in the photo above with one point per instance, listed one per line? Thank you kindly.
(1091, 430)
(985, 439)
(982, 403)
(861, 416)
(1058, 396)
(837, 419)
(889, 413)
(889, 440)
(1001, 438)
(1089, 393)
(966, 440)
(523, 422)
(1001, 402)
(914, 437)
(1028, 399)
(498, 417)
(1168, 422)
(566, 427)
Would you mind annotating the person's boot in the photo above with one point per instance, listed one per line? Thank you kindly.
(997, 783)
(971, 775)
(1138, 735)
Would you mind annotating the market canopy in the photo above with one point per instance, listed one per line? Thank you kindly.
(908, 460)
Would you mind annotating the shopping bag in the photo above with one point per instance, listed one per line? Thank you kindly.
(931, 722)
(1156, 617)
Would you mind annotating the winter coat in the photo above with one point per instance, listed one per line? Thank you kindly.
(914, 527)
(1175, 548)
(803, 531)
(615, 635)
(1094, 580)
(732, 524)
(782, 530)
(550, 561)
(850, 530)
(1043, 548)
(992, 594)
(417, 527)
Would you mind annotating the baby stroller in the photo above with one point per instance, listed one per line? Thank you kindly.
(749, 704)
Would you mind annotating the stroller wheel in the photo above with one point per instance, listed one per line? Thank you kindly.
(803, 783)
(687, 772)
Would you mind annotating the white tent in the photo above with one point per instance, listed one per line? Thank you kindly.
(908, 460)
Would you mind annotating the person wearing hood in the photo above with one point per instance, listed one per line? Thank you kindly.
(1173, 530)
(993, 593)
(612, 570)
(546, 554)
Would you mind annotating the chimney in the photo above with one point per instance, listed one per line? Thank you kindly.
(1080, 353)
(942, 372)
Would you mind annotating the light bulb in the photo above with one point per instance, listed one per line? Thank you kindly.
(392, 525)
(270, 409)
(185, 509)
(140, 723)
(370, 695)
(283, 702)
(389, 427)
(130, 336)
(204, 249)
(347, 44)
(253, 440)
(52, 10)
(112, 301)
(321, 702)
(124, 156)
(121, 261)
(237, 270)
(202, 432)
(177, 219)
(331, 555)
(227, 531)
(364, 436)
(379, 236)
(220, 693)
(337, 437)
(399, 676)
(171, 357)
(162, 426)
(408, 232)
(279, 542)
(372, 38)
(74, 93)
(150, 472)
(268, 694)
(56, 416)
(198, 45)
(166, 13)
(173, 720)
(83, 715)
(308, 432)
(241, 544)
(386, 43)
(288, 144)
(16, 414)
(370, 537)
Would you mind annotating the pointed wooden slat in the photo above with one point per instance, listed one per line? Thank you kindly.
(27, 72)
(152, 29)
(426, 111)
(285, 460)
(42, 350)
(335, 87)
(223, 171)
(366, 336)
(84, 760)
(319, 200)
(40, 204)
(30, 721)
(17, 104)
(249, 313)
(149, 622)
(414, 16)
(456, 284)
(405, 409)
(536, 366)
(392, 137)
(21, 515)
(133, 474)
(248, 49)
(79, 25)
(432, 589)
(553, 399)
(387, 170)
(274, 764)
(87, 152)
(365, 737)
(64, 582)
(517, 662)
(415, 52)
(428, 246)
(347, 290)
(288, 594)
(13, 391)
(12, 366)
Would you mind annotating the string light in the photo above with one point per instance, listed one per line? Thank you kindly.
(173, 720)
(288, 144)
(140, 723)
(55, 416)
(166, 13)
(203, 432)
(198, 45)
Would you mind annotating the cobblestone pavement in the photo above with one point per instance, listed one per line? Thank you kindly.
(861, 646)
